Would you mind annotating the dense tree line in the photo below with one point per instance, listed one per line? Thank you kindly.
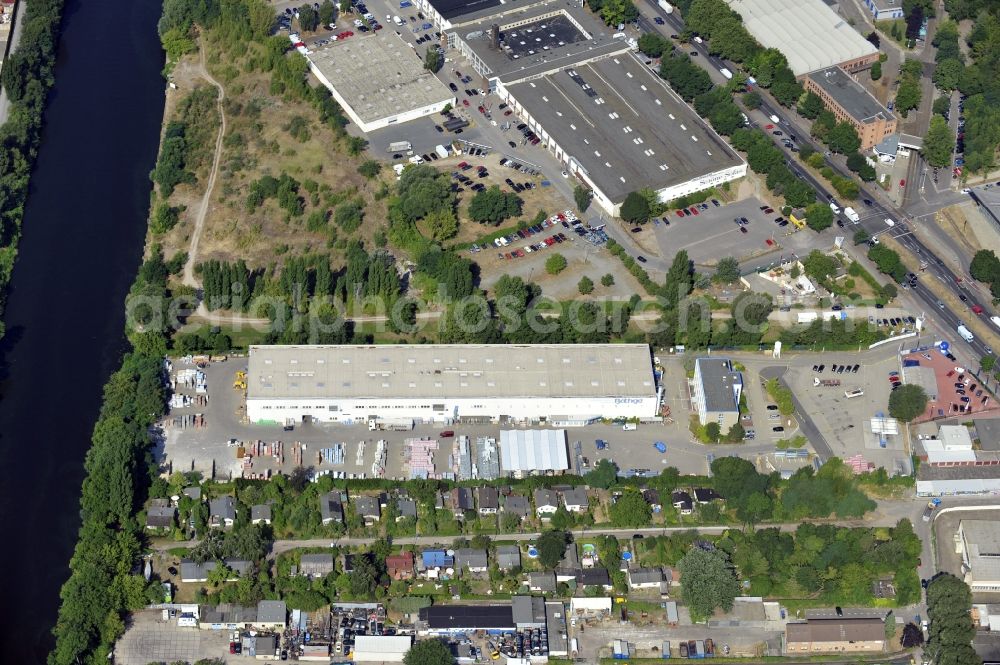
(26, 77)
(614, 12)
(101, 588)
(767, 159)
(728, 38)
(686, 78)
(951, 631)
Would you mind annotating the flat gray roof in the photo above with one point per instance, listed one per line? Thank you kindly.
(850, 94)
(968, 472)
(624, 126)
(718, 379)
(533, 450)
(425, 371)
(550, 22)
(983, 540)
(379, 75)
(810, 34)
(988, 431)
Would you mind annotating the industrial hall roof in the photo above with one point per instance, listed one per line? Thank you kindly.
(427, 371)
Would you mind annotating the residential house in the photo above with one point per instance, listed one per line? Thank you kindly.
(569, 565)
(316, 565)
(367, 508)
(835, 635)
(546, 503)
(593, 577)
(706, 495)
(487, 500)
(461, 501)
(198, 572)
(331, 508)
(475, 560)
(222, 512)
(400, 566)
(645, 578)
(351, 559)
(271, 615)
(652, 497)
(508, 557)
(193, 492)
(682, 502)
(160, 515)
(516, 505)
(405, 508)
(432, 562)
(542, 582)
(576, 500)
(260, 514)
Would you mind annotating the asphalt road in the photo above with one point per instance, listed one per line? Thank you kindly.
(806, 424)
(875, 214)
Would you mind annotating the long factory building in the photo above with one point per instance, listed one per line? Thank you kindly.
(448, 383)
(614, 125)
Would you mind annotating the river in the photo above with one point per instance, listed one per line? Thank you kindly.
(83, 233)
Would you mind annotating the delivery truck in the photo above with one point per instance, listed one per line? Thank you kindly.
(851, 214)
(966, 334)
(725, 72)
(665, 6)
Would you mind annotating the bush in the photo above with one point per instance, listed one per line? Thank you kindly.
(635, 208)
(585, 285)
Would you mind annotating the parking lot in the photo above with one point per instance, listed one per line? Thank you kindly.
(713, 234)
(957, 391)
(149, 639)
(596, 639)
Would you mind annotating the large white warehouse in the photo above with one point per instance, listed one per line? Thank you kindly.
(443, 383)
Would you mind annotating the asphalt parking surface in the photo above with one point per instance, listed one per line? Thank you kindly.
(712, 234)
(148, 639)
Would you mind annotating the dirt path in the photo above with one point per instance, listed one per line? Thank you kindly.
(199, 221)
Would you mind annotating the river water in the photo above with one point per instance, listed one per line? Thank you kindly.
(82, 242)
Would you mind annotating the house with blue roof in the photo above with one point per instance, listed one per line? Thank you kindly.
(437, 559)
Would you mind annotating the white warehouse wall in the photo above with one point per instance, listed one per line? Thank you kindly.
(354, 410)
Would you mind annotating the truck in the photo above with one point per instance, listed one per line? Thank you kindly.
(826, 383)
(966, 334)
(399, 146)
(931, 505)
(441, 151)
(851, 214)
(390, 424)
(629, 427)
(574, 647)
(995, 320)
(725, 72)
(665, 6)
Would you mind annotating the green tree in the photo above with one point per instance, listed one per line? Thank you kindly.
(442, 224)
(876, 70)
(493, 205)
(635, 208)
(727, 271)
(679, 280)
(819, 217)
(327, 13)
(819, 266)
(582, 196)
(432, 59)
(429, 652)
(585, 286)
(907, 402)
(552, 547)
(939, 142)
(843, 138)
(370, 168)
(653, 44)
(811, 106)
(713, 431)
(708, 582)
(751, 310)
(951, 631)
(308, 18)
(861, 236)
(603, 475)
(608, 280)
(752, 100)
(630, 510)
(555, 264)
(947, 74)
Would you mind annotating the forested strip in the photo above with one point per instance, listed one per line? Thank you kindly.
(27, 77)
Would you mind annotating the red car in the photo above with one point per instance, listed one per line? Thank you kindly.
(507, 112)
(680, 213)
(977, 309)
(768, 126)
(769, 242)
(902, 183)
(465, 102)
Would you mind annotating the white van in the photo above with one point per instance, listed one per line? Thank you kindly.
(889, 222)
(835, 208)
(397, 20)
(629, 427)
(857, 392)
(995, 320)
